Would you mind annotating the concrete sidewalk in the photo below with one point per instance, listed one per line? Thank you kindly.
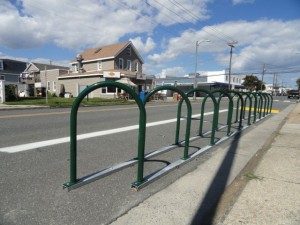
(272, 195)
(206, 195)
(13, 107)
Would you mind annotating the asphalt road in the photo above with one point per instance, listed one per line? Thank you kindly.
(31, 179)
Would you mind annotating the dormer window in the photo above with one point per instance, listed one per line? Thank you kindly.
(128, 50)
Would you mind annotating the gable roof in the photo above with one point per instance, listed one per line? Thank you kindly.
(106, 52)
(41, 66)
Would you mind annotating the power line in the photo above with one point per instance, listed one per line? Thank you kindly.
(174, 2)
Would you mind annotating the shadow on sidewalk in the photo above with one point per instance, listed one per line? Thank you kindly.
(208, 208)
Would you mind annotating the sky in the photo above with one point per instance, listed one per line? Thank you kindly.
(265, 33)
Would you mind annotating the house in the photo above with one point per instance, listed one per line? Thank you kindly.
(10, 70)
(106, 63)
(37, 77)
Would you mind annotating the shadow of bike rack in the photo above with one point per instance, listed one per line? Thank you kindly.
(262, 107)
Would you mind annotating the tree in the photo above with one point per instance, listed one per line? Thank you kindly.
(10, 92)
(298, 83)
(253, 83)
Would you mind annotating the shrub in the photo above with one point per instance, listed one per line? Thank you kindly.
(10, 92)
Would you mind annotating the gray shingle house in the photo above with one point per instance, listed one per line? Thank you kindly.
(110, 62)
(10, 70)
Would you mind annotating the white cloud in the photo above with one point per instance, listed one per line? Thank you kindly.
(237, 2)
(143, 48)
(77, 24)
(264, 41)
(181, 11)
(174, 71)
(182, 45)
(71, 24)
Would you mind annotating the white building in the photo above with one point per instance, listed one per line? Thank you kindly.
(222, 77)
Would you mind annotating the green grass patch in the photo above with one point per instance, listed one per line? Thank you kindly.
(252, 176)
(67, 102)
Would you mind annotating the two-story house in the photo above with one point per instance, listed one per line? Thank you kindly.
(10, 70)
(111, 62)
(39, 77)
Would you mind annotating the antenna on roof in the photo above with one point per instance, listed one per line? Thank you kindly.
(98, 50)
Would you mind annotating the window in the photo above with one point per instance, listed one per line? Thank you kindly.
(99, 65)
(54, 86)
(136, 65)
(48, 85)
(121, 64)
(226, 78)
(128, 50)
(2, 77)
(128, 65)
(1, 65)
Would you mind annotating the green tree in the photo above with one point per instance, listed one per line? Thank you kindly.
(10, 92)
(298, 83)
(252, 83)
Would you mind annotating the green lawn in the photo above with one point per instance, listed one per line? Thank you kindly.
(67, 102)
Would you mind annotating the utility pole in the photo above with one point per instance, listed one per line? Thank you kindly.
(196, 63)
(231, 45)
(273, 88)
(229, 71)
(262, 77)
(46, 85)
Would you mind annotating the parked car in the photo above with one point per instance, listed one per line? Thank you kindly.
(293, 94)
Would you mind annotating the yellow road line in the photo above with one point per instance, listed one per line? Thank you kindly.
(272, 111)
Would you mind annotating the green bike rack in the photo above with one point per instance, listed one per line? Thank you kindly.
(186, 158)
(250, 106)
(260, 105)
(267, 96)
(241, 108)
(189, 115)
(214, 122)
(230, 109)
(255, 105)
(76, 182)
(271, 103)
(264, 104)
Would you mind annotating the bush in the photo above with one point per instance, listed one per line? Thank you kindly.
(10, 92)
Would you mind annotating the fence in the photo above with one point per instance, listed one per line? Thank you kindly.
(258, 103)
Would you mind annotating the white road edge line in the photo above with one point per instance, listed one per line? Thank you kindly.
(41, 144)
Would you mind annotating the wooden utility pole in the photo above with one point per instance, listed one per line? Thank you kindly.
(262, 77)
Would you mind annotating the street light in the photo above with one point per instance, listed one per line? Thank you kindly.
(196, 63)
(231, 45)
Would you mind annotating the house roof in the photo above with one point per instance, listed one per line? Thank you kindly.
(108, 51)
(13, 66)
(41, 66)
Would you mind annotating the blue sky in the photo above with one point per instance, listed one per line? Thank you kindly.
(164, 31)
